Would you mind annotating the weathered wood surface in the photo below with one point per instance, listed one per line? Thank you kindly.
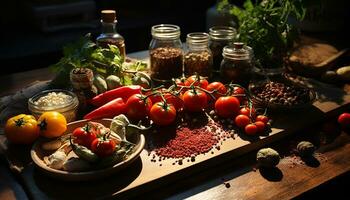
(145, 175)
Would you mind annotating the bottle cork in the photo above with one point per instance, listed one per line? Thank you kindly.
(238, 45)
(108, 16)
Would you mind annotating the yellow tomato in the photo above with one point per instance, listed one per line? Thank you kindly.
(52, 124)
(21, 129)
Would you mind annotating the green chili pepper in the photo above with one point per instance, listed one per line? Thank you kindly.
(83, 152)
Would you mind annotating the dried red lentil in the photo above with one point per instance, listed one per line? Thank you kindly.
(188, 142)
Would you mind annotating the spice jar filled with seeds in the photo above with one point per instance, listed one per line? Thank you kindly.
(220, 36)
(199, 58)
(166, 55)
(236, 65)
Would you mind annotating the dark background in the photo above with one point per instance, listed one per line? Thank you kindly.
(25, 45)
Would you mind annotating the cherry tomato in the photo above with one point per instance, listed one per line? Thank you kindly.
(203, 83)
(137, 107)
(227, 106)
(246, 111)
(195, 100)
(262, 118)
(242, 120)
(84, 135)
(104, 146)
(239, 91)
(251, 129)
(22, 129)
(344, 120)
(219, 87)
(176, 101)
(163, 114)
(261, 126)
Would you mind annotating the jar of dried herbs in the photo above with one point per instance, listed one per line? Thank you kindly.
(236, 66)
(199, 58)
(166, 54)
(220, 36)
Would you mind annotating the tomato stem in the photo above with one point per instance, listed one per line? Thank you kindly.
(152, 88)
(19, 122)
(165, 104)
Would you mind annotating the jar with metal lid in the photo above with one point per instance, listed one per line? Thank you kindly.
(236, 66)
(199, 58)
(166, 54)
(220, 36)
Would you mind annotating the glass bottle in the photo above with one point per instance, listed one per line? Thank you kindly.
(166, 54)
(199, 58)
(109, 33)
(236, 66)
(220, 36)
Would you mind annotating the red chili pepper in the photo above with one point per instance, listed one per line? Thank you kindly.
(109, 110)
(123, 92)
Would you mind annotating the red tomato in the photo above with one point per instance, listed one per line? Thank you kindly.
(103, 147)
(261, 126)
(344, 120)
(137, 107)
(251, 129)
(195, 100)
(246, 111)
(203, 83)
(176, 101)
(239, 91)
(163, 114)
(84, 136)
(262, 118)
(242, 121)
(219, 87)
(227, 106)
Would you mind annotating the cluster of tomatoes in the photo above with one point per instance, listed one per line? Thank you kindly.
(93, 137)
(195, 94)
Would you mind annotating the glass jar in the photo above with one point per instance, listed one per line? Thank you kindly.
(199, 58)
(166, 55)
(220, 36)
(109, 33)
(236, 66)
(67, 107)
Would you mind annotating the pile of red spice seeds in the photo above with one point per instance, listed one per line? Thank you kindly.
(195, 135)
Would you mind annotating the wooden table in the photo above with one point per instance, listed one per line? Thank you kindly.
(228, 178)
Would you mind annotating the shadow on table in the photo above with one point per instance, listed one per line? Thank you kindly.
(311, 161)
(271, 174)
(100, 188)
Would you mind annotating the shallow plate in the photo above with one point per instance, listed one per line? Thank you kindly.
(280, 107)
(38, 154)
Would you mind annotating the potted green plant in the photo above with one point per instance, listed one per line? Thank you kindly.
(264, 26)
